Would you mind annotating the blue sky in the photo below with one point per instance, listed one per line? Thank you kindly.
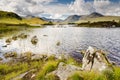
(69, 1)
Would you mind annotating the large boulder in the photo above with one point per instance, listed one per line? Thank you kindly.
(65, 70)
(95, 60)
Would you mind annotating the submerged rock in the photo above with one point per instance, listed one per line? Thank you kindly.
(95, 60)
(1, 59)
(9, 40)
(58, 43)
(45, 35)
(34, 40)
(23, 36)
(10, 55)
(14, 38)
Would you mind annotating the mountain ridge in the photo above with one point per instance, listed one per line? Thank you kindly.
(74, 18)
(5, 14)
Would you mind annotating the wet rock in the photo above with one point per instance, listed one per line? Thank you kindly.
(64, 70)
(10, 55)
(45, 35)
(1, 59)
(23, 36)
(34, 40)
(14, 38)
(58, 43)
(95, 60)
(4, 46)
(9, 40)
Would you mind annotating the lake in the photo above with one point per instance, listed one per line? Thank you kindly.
(67, 39)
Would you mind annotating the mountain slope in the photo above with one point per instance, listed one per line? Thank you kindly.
(52, 20)
(13, 18)
(92, 15)
(34, 20)
(4, 14)
(72, 19)
(98, 19)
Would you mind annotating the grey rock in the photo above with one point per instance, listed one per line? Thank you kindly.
(64, 71)
(95, 60)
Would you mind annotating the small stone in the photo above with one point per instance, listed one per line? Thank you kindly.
(34, 40)
(9, 40)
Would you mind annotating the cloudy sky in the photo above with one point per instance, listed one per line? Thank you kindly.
(60, 8)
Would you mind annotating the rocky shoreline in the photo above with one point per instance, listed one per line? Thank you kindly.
(61, 67)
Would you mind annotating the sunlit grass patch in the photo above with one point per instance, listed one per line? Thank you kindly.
(8, 71)
(75, 76)
(52, 77)
(117, 73)
(47, 68)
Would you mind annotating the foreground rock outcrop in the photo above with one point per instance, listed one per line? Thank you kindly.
(64, 71)
(95, 60)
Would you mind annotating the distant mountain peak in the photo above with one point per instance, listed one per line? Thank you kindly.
(72, 18)
(96, 14)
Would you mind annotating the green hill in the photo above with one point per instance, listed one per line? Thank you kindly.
(13, 18)
(10, 15)
(98, 19)
(34, 20)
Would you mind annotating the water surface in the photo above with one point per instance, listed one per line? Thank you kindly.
(70, 40)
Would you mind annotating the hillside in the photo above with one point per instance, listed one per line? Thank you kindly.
(72, 18)
(11, 15)
(92, 15)
(34, 20)
(52, 20)
(13, 18)
(75, 18)
(98, 19)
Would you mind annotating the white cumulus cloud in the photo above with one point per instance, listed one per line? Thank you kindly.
(58, 10)
(105, 7)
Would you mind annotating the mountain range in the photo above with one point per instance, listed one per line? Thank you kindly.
(74, 18)
(10, 17)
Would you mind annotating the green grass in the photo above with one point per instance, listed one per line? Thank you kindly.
(103, 24)
(8, 71)
(43, 69)
(52, 77)
(105, 18)
(11, 29)
(47, 68)
(117, 73)
(75, 76)
(105, 75)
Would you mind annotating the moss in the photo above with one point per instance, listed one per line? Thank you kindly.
(117, 73)
(109, 75)
(47, 68)
(75, 76)
(52, 77)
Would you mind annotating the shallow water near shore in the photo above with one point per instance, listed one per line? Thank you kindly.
(67, 39)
